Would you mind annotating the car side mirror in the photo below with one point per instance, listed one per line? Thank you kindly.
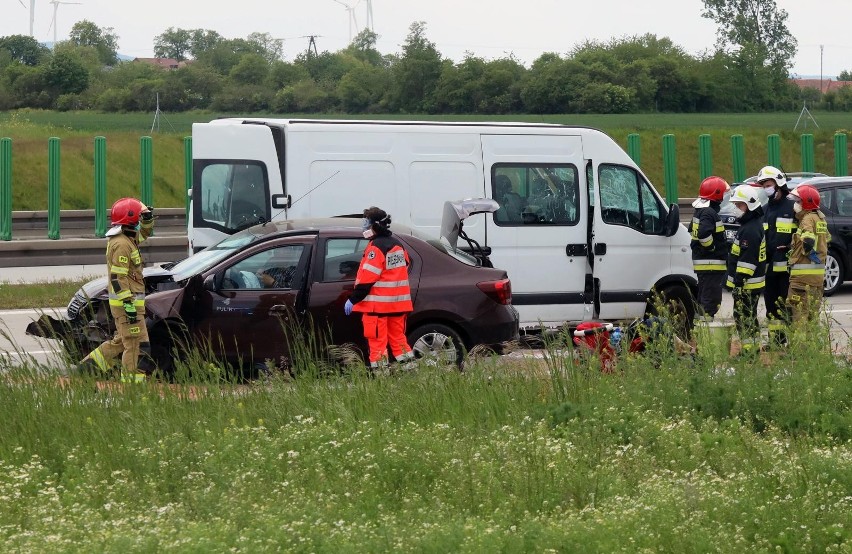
(209, 283)
(672, 220)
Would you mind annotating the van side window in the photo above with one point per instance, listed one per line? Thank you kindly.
(233, 195)
(531, 194)
(627, 199)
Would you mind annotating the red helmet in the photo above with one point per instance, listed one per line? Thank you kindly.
(126, 211)
(808, 195)
(713, 188)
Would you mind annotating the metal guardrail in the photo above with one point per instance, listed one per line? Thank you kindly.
(79, 246)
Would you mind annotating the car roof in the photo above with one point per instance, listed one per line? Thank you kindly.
(826, 182)
(315, 224)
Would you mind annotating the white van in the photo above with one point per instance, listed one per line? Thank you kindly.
(582, 233)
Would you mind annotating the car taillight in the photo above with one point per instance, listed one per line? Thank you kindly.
(499, 291)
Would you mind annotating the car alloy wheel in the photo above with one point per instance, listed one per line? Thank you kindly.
(436, 344)
(833, 275)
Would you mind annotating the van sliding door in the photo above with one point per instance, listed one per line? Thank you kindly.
(539, 234)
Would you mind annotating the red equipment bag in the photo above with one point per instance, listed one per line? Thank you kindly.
(594, 336)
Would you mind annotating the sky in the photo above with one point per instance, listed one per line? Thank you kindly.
(487, 28)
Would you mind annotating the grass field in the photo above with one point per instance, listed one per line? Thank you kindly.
(667, 455)
(30, 131)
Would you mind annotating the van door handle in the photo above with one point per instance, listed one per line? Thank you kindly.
(600, 248)
(572, 250)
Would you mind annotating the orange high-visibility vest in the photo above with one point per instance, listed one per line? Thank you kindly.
(387, 273)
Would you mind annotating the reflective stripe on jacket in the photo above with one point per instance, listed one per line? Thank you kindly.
(709, 247)
(747, 260)
(381, 285)
(812, 225)
(125, 282)
(779, 224)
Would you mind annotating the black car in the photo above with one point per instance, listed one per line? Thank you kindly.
(250, 299)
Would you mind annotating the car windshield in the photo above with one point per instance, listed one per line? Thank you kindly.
(212, 255)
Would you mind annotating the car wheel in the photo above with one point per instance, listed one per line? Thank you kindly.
(678, 304)
(834, 274)
(436, 344)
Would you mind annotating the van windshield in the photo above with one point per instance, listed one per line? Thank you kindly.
(230, 195)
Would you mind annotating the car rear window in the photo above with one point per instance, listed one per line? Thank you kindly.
(459, 255)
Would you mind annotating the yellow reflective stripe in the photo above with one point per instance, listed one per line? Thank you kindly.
(119, 270)
(779, 267)
(735, 249)
(99, 359)
(745, 268)
(784, 227)
(127, 377)
(752, 286)
(765, 226)
(822, 227)
(123, 294)
(706, 242)
(807, 271)
(808, 235)
(720, 228)
(708, 267)
(137, 259)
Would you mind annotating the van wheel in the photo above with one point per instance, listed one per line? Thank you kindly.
(437, 344)
(834, 274)
(674, 302)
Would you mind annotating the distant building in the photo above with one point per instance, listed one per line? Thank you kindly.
(165, 63)
(824, 85)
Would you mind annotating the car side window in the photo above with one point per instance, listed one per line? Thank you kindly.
(533, 194)
(342, 258)
(843, 206)
(628, 200)
(274, 268)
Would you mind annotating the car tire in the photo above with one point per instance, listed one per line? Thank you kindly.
(681, 306)
(437, 344)
(834, 273)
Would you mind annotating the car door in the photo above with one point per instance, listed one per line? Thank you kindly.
(540, 235)
(249, 319)
(630, 249)
(332, 281)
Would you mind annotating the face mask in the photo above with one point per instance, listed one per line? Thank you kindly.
(797, 207)
(366, 224)
(770, 191)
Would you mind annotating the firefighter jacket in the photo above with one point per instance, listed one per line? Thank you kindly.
(747, 260)
(381, 285)
(779, 224)
(124, 267)
(709, 248)
(812, 235)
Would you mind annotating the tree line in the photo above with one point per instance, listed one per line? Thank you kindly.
(748, 71)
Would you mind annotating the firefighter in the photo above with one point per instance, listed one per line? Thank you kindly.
(779, 224)
(746, 268)
(709, 248)
(382, 294)
(807, 255)
(132, 223)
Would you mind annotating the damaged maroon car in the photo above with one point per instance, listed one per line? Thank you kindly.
(258, 297)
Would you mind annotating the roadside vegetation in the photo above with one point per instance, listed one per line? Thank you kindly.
(15, 296)
(665, 454)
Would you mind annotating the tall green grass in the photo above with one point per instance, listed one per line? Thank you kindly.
(30, 130)
(665, 454)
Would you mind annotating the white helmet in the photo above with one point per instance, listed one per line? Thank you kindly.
(769, 172)
(748, 195)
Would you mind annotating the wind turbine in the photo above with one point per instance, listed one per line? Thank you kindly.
(53, 24)
(352, 18)
(32, 13)
(370, 15)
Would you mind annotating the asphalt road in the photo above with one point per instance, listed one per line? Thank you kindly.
(15, 343)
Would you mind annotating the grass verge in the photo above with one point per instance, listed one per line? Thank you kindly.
(14, 296)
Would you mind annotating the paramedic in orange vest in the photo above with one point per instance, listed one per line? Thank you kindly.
(381, 292)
